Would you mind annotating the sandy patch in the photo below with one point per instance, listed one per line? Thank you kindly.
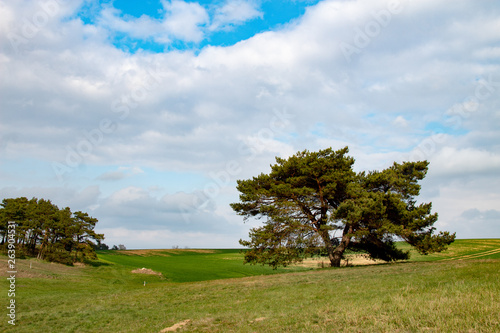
(146, 271)
(176, 326)
(258, 319)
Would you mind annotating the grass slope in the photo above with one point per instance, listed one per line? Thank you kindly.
(433, 296)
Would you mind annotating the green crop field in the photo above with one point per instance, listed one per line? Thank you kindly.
(189, 265)
(212, 291)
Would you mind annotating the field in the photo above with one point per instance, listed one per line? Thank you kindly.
(189, 265)
(211, 291)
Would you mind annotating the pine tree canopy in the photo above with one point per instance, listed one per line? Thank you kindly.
(314, 203)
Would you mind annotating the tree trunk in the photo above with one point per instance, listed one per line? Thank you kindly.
(328, 245)
(338, 252)
(43, 245)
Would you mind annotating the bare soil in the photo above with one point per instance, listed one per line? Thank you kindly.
(145, 271)
(176, 326)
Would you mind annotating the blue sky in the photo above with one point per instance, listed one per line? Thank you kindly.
(145, 114)
(246, 19)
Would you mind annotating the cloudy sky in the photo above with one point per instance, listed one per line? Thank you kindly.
(144, 114)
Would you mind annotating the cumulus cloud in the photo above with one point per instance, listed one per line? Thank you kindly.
(84, 199)
(134, 208)
(453, 162)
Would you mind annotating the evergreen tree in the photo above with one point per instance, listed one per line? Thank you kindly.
(314, 201)
(47, 232)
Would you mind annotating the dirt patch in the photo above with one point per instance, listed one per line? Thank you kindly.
(176, 326)
(258, 319)
(146, 271)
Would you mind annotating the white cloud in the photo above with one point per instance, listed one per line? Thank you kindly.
(182, 20)
(453, 162)
(61, 196)
(488, 53)
(400, 121)
(185, 20)
(235, 13)
(142, 27)
(164, 239)
(121, 173)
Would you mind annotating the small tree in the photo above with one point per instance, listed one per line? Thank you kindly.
(101, 246)
(310, 197)
(83, 234)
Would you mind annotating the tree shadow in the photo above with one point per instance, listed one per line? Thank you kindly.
(96, 263)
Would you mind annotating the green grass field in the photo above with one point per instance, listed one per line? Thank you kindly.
(189, 265)
(211, 291)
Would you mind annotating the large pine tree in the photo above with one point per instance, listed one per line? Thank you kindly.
(314, 201)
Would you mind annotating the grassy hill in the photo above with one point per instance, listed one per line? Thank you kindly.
(455, 291)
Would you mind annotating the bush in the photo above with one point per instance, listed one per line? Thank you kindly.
(59, 257)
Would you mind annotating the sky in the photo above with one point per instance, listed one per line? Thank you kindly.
(145, 113)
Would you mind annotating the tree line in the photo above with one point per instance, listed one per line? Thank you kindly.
(44, 231)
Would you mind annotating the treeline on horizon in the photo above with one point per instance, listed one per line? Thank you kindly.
(38, 228)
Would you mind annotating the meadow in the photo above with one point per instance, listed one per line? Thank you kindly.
(212, 291)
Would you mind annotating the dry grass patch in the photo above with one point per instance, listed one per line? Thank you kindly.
(351, 260)
(143, 253)
(34, 268)
(160, 253)
(179, 251)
